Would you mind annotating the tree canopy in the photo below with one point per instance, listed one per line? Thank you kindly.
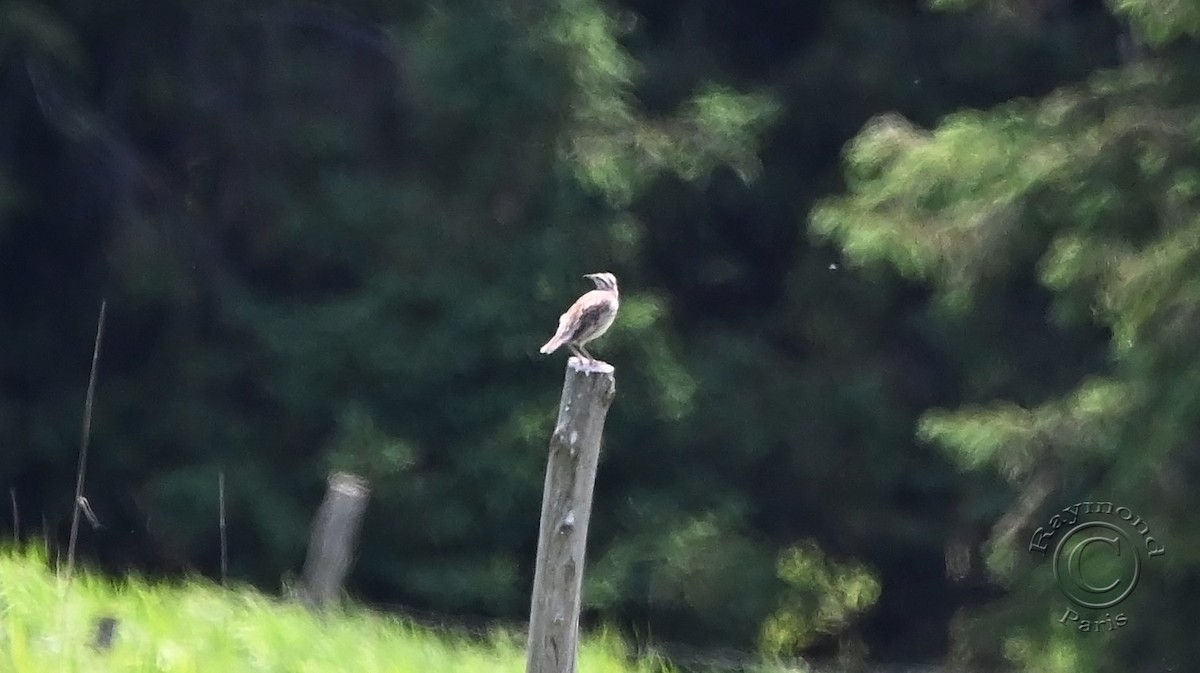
(898, 280)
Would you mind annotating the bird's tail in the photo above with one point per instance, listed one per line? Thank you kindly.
(553, 345)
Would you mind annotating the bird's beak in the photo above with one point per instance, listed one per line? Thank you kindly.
(589, 275)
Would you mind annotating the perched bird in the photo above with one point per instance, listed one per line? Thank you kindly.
(590, 316)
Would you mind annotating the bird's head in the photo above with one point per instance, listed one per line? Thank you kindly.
(603, 281)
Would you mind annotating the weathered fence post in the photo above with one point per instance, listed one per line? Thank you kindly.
(566, 508)
(331, 544)
(106, 631)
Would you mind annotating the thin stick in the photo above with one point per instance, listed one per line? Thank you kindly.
(224, 542)
(83, 440)
(12, 495)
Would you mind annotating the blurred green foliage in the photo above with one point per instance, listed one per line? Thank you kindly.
(1087, 192)
(894, 281)
(821, 598)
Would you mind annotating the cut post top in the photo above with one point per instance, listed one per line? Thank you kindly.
(592, 367)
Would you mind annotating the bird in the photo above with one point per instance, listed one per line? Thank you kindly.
(590, 316)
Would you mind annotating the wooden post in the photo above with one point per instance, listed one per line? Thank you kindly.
(331, 545)
(566, 508)
(106, 630)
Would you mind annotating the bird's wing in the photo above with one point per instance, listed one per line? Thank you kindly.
(564, 319)
(571, 317)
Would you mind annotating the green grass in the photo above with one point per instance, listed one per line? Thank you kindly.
(196, 627)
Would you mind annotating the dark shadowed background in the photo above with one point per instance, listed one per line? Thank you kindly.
(899, 279)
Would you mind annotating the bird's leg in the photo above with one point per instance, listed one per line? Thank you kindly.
(575, 350)
(587, 354)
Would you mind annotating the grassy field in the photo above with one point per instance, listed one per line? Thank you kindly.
(47, 626)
